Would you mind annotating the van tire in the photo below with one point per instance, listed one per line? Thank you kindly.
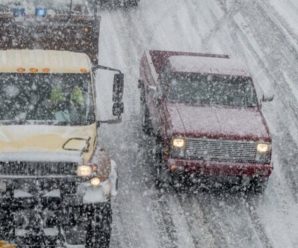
(258, 185)
(131, 3)
(146, 121)
(162, 177)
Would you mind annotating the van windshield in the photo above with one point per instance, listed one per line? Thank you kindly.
(57, 99)
(220, 90)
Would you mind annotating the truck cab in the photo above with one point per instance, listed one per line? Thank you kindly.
(205, 114)
(56, 178)
(49, 148)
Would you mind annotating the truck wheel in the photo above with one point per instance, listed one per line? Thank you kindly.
(162, 180)
(146, 122)
(99, 227)
(6, 225)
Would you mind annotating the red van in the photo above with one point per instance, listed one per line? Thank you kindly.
(206, 116)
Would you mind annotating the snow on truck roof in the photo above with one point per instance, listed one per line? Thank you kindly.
(43, 61)
(208, 65)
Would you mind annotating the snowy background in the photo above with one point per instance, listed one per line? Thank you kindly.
(264, 35)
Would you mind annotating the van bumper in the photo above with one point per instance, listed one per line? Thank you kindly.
(205, 168)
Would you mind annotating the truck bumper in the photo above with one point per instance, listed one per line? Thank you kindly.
(23, 192)
(219, 168)
(70, 227)
(46, 216)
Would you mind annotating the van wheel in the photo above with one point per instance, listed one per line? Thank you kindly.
(162, 177)
(258, 185)
(131, 3)
(146, 122)
(134, 3)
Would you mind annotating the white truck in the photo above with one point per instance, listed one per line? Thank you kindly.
(56, 180)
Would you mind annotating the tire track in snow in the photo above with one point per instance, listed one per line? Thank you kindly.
(157, 202)
(164, 225)
(203, 232)
(167, 223)
(256, 221)
(280, 21)
(133, 222)
(235, 215)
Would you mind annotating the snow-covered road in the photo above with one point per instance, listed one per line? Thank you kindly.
(266, 39)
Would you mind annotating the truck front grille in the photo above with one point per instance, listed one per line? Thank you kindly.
(221, 150)
(38, 169)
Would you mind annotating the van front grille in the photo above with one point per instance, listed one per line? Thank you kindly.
(218, 150)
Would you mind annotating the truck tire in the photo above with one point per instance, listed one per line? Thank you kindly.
(99, 228)
(6, 225)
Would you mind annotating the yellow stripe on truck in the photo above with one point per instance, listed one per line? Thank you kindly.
(43, 61)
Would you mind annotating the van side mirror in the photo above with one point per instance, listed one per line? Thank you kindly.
(152, 88)
(267, 98)
(118, 108)
(118, 87)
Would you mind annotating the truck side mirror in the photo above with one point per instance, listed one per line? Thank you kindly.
(118, 87)
(118, 108)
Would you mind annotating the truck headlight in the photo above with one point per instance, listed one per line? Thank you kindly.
(84, 171)
(263, 148)
(178, 142)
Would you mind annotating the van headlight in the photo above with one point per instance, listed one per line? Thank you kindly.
(178, 142)
(263, 148)
(263, 152)
(84, 171)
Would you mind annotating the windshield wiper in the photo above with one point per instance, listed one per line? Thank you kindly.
(8, 122)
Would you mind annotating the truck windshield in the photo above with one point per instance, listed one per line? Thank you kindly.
(198, 89)
(57, 99)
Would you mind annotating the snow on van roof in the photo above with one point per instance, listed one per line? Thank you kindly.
(209, 65)
(12, 61)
